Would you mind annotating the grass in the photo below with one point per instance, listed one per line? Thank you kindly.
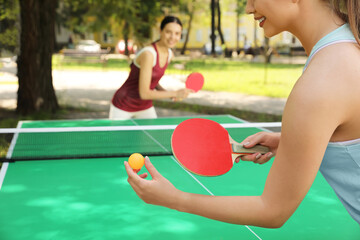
(273, 80)
(276, 80)
(9, 119)
(111, 65)
(208, 110)
(7, 82)
(220, 75)
(4, 145)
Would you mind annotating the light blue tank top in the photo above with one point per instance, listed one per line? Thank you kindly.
(341, 163)
(339, 35)
(341, 169)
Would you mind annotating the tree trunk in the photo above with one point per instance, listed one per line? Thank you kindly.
(126, 37)
(219, 22)
(267, 50)
(36, 91)
(226, 52)
(237, 29)
(188, 32)
(213, 36)
(255, 34)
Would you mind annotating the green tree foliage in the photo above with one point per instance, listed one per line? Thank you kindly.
(135, 17)
(240, 8)
(189, 9)
(9, 32)
(73, 15)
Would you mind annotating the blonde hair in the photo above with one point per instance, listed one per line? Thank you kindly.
(348, 11)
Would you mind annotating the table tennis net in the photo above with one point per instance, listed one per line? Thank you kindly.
(19, 144)
(85, 142)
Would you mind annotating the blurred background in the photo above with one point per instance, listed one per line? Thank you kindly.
(43, 41)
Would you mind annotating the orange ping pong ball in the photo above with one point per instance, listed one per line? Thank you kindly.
(136, 161)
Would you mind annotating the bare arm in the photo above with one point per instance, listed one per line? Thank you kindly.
(146, 60)
(297, 162)
(312, 115)
(306, 131)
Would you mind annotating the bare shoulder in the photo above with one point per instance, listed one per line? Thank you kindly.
(327, 92)
(146, 56)
(333, 70)
(147, 51)
(337, 62)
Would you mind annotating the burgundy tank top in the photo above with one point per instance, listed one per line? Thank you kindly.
(127, 97)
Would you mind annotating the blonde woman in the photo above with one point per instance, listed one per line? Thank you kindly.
(320, 128)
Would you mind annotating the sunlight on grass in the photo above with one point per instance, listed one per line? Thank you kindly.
(8, 82)
(273, 80)
(4, 146)
(248, 78)
(252, 81)
(111, 65)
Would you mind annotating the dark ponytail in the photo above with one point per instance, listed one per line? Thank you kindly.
(169, 19)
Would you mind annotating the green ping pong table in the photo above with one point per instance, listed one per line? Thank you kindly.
(91, 199)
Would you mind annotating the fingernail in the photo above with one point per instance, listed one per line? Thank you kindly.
(270, 155)
(258, 156)
(147, 158)
(247, 143)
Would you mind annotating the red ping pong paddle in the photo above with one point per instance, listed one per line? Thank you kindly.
(195, 81)
(205, 148)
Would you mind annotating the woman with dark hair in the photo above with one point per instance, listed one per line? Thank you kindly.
(134, 98)
(320, 124)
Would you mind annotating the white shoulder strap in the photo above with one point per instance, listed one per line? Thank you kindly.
(170, 55)
(148, 48)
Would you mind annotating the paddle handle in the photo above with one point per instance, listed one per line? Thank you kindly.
(240, 150)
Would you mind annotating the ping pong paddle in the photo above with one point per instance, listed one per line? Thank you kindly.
(205, 148)
(195, 81)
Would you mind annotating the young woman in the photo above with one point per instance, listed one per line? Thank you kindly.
(134, 98)
(321, 122)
